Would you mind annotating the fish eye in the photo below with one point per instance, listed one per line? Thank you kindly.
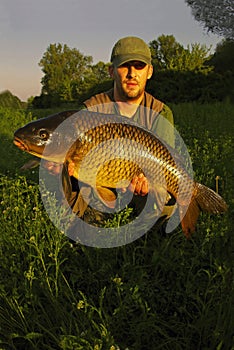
(44, 135)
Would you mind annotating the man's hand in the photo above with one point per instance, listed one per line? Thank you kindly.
(53, 168)
(139, 185)
(56, 168)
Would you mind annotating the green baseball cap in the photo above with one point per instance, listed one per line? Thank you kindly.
(130, 48)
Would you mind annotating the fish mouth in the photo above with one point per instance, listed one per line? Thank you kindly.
(21, 144)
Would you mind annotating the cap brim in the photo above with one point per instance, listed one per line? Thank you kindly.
(121, 59)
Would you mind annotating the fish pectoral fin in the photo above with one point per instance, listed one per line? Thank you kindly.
(107, 196)
(32, 163)
(82, 201)
(66, 182)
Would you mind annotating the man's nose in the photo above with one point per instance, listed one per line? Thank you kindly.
(131, 71)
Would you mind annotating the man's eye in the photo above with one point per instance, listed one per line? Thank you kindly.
(136, 65)
(139, 65)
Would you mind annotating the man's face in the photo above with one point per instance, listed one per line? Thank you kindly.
(130, 79)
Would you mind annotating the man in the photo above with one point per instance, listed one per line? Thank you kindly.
(130, 69)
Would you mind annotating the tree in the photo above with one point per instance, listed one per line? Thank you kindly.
(163, 49)
(168, 54)
(217, 16)
(192, 58)
(7, 99)
(96, 74)
(64, 69)
(100, 71)
(223, 58)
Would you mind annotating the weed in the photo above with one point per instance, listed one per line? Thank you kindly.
(159, 292)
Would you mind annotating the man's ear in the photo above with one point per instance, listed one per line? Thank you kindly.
(150, 72)
(111, 71)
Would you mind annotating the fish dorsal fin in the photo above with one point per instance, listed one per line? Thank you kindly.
(107, 196)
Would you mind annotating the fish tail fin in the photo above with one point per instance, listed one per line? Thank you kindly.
(203, 199)
(209, 200)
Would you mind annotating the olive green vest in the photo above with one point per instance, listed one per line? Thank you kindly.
(153, 114)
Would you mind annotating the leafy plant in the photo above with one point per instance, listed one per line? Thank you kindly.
(159, 292)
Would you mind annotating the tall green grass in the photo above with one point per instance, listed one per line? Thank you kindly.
(159, 292)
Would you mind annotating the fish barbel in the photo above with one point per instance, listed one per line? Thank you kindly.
(107, 151)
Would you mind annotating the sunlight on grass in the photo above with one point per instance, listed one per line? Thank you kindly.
(159, 292)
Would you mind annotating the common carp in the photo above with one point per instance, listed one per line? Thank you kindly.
(107, 151)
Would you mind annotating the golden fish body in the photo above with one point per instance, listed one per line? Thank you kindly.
(117, 152)
(107, 151)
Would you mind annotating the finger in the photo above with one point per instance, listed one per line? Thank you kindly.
(138, 186)
(141, 187)
(144, 187)
(45, 163)
(123, 189)
(132, 185)
(53, 168)
(71, 168)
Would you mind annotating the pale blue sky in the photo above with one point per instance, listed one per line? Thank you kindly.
(27, 27)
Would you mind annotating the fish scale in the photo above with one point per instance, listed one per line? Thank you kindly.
(108, 151)
(134, 146)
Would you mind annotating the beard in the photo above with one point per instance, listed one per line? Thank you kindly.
(131, 93)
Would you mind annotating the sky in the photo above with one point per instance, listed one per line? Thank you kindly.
(28, 27)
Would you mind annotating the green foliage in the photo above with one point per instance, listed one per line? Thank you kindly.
(193, 58)
(159, 292)
(96, 89)
(9, 100)
(215, 15)
(12, 158)
(67, 75)
(223, 58)
(208, 130)
(168, 54)
(180, 74)
(177, 86)
(63, 69)
(163, 49)
(183, 74)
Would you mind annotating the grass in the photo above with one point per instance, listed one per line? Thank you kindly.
(159, 292)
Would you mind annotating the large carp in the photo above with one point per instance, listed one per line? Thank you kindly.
(107, 151)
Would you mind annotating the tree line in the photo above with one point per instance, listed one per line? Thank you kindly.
(7, 99)
(181, 74)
